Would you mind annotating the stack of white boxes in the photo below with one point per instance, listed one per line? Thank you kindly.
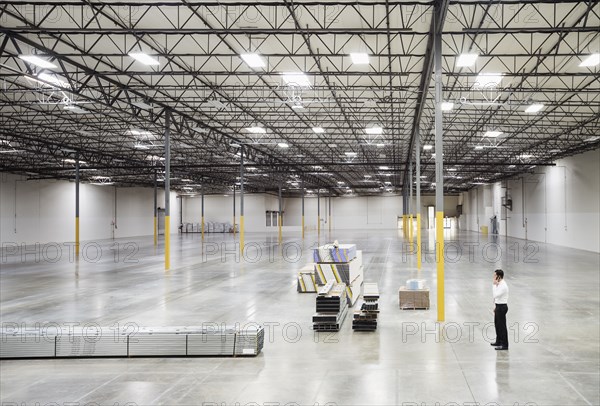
(340, 264)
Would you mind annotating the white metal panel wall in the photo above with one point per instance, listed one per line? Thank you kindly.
(558, 210)
(45, 211)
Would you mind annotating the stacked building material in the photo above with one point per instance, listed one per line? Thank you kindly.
(307, 282)
(349, 272)
(331, 307)
(334, 253)
(365, 319)
(108, 342)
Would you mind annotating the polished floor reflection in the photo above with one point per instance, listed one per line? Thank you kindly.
(553, 323)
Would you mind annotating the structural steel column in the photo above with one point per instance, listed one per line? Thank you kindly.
(439, 168)
(234, 209)
(242, 202)
(418, 204)
(318, 212)
(302, 209)
(155, 209)
(404, 204)
(329, 219)
(280, 217)
(410, 205)
(202, 220)
(167, 190)
(77, 205)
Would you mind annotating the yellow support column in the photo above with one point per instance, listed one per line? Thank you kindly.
(302, 227)
(419, 241)
(77, 237)
(202, 228)
(279, 225)
(439, 236)
(155, 231)
(167, 242)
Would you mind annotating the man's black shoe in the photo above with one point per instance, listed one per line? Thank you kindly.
(501, 348)
(494, 344)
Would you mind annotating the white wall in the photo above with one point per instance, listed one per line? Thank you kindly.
(557, 204)
(219, 208)
(378, 212)
(450, 203)
(44, 211)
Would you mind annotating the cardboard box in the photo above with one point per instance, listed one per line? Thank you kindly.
(413, 299)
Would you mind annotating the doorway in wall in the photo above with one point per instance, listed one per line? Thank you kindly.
(430, 217)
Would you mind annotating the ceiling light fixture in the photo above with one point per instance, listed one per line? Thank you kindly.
(144, 58)
(447, 106)
(283, 145)
(55, 80)
(359, 58)
(466, 60)
(479, 147)
(591, 60)
(36, 60)
(296, 79)
(75, 109)
(427, 147)
(534, 108)
(142, 105)
(492, 134)
(375, 130)
(350, 154)
(384, 168)
(318, 130)
(485, 80)
(253, 60)
(256, 130)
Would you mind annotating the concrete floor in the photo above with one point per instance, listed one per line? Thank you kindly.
(553, 325)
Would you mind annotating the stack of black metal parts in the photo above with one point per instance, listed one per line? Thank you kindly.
(365, 319)
(332, 307)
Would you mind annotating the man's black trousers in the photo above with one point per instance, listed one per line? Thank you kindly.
(500, 324)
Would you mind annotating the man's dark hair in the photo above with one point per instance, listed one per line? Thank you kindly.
(499, 273)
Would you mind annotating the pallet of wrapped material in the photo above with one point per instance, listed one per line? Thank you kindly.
(331, 253)
(413, 299)
(339, 271)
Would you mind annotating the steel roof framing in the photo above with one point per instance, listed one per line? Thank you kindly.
(213, 96)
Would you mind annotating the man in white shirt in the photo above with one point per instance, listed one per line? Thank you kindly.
(500, 291)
